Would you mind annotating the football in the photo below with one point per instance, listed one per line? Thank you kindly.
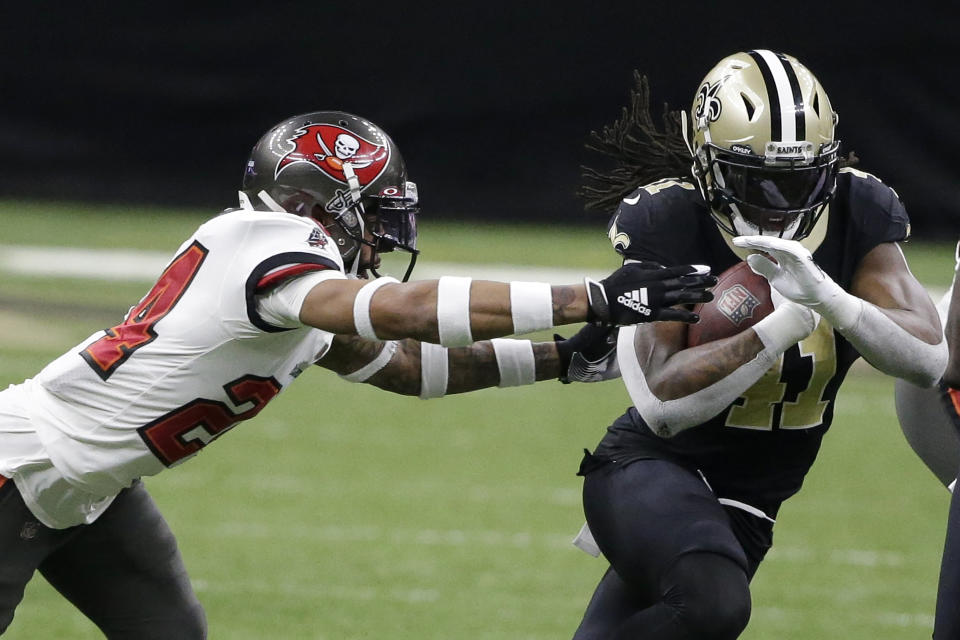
(741, 298)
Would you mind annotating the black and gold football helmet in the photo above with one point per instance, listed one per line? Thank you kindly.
(763, 145)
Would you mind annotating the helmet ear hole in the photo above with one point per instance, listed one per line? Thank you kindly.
(748, 105)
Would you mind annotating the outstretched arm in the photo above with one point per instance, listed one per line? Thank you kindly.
(951, 377)
(458, 311)
(402, 370)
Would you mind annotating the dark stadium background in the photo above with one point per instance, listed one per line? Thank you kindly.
(490, 103)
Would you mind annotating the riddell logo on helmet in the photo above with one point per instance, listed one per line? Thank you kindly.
(636, 300)
(329, 147)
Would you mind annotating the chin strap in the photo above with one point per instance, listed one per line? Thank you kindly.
(272, 204)
(354, 184)
(244, 201)
(745, 228)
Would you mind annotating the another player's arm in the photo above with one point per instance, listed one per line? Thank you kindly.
(409, 310)
(951, 377)
(455, 312)
(468, 368)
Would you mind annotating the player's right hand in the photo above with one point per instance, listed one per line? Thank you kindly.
(645, 292)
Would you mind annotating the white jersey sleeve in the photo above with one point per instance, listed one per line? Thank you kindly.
(281, 306)
(197, 355)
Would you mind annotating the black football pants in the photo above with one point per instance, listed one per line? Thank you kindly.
(680, 561)
(124, 571)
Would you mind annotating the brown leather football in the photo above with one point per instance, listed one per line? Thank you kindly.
(741, 298)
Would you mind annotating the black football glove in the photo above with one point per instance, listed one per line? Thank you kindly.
(645, 292)
(589, 355)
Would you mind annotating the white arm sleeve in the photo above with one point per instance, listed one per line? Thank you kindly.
(881, 341)
(779, 331)
(281, 306)
(893, 350)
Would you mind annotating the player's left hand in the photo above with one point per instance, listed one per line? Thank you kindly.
(646, 291)
(589, 355)
(792, 272)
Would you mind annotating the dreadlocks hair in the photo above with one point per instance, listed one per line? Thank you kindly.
(640, 151)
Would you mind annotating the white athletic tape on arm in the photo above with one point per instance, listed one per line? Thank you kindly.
(453, 311)
(366, 371)
(433, 370)
(361, 307)
(531, 305)
(785, 327)
(515, 362)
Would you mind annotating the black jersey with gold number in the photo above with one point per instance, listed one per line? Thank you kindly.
(759, 448)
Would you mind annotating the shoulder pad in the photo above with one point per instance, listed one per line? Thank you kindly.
(640, 212)
(873, 208)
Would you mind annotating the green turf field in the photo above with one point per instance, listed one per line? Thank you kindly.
(343, 512)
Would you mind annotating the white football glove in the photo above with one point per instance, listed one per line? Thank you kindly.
(797, 278)
(805, 314)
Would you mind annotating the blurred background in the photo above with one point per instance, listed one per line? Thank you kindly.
(490, 103)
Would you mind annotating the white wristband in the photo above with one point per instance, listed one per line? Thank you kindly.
(515, 362)
(786, 326)
(531, 305)
(366, 371)
(361, 307)
(453, 311)
(433, 370)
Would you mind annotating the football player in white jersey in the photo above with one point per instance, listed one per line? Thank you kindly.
(256, 295)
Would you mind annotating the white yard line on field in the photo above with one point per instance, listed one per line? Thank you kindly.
(144, 266)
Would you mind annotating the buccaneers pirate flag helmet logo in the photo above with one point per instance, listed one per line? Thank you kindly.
(326, 158)
(327, 147)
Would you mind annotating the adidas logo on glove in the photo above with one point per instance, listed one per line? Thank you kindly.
(636, 300)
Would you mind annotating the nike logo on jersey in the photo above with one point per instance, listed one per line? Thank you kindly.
(633, 200)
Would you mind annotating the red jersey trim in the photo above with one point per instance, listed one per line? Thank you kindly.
(280, 275)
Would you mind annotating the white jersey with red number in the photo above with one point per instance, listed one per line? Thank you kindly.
(191, 359)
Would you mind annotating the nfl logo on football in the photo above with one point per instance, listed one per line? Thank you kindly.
(737, 303)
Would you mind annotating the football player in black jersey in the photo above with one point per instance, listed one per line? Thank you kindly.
(682, 493)
(930, 419)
